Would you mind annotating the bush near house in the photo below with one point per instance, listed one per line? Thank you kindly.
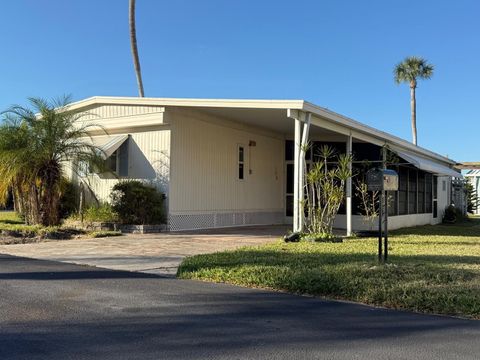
(100, 213)
(137, 203)
(432, 269)
(104, 234)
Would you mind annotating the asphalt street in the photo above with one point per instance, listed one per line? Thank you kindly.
(51, 310)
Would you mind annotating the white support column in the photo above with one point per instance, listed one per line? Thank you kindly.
(349, 189)
(301, 172)
(296, 171)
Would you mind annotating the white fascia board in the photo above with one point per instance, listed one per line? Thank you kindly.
(214, 103)
(371, 134)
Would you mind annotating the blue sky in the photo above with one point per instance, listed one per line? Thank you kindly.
(337, 54)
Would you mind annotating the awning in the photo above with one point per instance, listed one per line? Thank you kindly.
(109, 144)
(427, 165)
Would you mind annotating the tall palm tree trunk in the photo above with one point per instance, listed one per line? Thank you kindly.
(133, 44)
(413, 106)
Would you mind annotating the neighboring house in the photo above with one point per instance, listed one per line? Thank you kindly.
(473, 177)
(232, 162)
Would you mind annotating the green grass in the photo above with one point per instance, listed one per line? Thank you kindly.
(432, 269)
(13, 225)
(13, 228)
(10, 217)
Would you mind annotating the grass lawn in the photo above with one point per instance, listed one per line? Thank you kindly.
(14, 231)
(10, 217)
(432, 269)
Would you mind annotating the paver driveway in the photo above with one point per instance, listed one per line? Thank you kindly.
(151, 253)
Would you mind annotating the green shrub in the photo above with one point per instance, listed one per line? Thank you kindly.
(452, 215)
(102, 234)
(137, 203)
(100, 213)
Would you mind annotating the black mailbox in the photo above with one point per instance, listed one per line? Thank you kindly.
(382, 180)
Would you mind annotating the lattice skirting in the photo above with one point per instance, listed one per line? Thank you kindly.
(216, 220)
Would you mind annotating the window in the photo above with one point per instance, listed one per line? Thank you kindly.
(289, 150)
(402, 191)
(83, 168)
(428, 193)
(117, 163)
(241, 163)
(111, 162)
(392, 202)
(290, 173)
(412, 191)
(393, 198)
(421, 192)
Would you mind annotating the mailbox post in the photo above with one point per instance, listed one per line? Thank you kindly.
(382, 180)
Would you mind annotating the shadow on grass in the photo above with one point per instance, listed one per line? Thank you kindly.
(444, 242)
(12, 222)
(307, 259)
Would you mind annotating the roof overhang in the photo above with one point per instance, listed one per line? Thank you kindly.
(474, 165)
(426, 164)
(255, 110)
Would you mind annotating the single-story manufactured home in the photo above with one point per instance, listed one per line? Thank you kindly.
(227, 163)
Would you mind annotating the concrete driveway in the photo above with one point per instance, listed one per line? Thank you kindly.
(150, 253)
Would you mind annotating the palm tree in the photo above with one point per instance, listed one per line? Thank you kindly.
(133, 45)
(409, 71)
(37, 145)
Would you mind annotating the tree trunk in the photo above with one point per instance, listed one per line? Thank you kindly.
(33, 206)
(50, 196)
(413, 105)
(133, 44)
(80, 206)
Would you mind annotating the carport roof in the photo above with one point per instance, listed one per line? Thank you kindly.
(254, 109)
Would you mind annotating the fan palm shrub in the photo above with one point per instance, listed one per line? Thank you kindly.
(37, 145)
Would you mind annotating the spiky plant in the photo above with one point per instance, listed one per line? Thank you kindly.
(409, 71)
(37, 143)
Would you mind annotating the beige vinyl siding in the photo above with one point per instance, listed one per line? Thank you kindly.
(112, 111)
(115, 118)
(204, 173)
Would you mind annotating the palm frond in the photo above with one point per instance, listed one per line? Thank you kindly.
(411, 69)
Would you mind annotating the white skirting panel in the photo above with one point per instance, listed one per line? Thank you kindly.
(394, 222)
(177, 222)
